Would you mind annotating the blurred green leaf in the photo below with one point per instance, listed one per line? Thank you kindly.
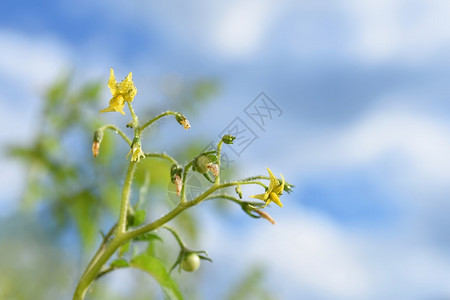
(250, 286)
(139, 217)
(204, 90)
(124, 249)
(91, 91)
(148, 237)
(157, 270)
(58, 91)
(120, 263)
(84, 210)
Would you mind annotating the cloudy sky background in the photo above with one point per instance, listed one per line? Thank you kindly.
(364, 134)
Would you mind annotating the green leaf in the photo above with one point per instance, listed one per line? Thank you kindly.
(157, 270)
(139, 217)
(119, 263)
(148, 237)
(124, 249)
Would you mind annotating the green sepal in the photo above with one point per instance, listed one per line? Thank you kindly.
(200, 162)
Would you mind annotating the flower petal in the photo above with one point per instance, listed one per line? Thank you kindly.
(262, 197)
(116, 103)
(274, 198)
(127, 88)
(273, 180)
(112, 83)
(279, 189)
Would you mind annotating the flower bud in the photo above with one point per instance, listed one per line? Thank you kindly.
(228, 139)
(265, 215)
(183, 121)
(178, 184)
(238, 191)
(98, 136)
(175, 177)
(175, 170)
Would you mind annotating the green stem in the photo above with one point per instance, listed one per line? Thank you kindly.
(181, 207)
(133, 115)
(234, 199)
(163, 156)
(183, 190)
(96, 264)
(175, 234)
(107, 250)
(116, 130)
(167, 113)
(121, 226)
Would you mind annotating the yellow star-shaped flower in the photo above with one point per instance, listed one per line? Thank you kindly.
(136, 150)
(123, 91)
(275, 189)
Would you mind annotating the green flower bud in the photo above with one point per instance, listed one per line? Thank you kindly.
(238, 191)
(183, 121)
(228, 139)
(175, 170)
(98, 136)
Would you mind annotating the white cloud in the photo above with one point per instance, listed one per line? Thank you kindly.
(399, 29)
(418, 142)
(308, 255)
(241, 27)
(31, 61)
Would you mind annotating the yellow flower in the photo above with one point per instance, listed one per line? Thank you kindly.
(136, 150)
(123, 91)
(275, 189)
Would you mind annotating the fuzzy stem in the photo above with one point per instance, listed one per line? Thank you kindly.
(121, 226)
(183, 189)
(175, 234)
(133, 115)
(117, 130)
(163, 156)
(167, 113)
(107, 250)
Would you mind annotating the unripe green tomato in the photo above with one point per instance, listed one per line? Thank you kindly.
(190, 262)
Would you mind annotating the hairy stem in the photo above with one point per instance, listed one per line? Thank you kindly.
(107, 249)
(163, 156)
(175, 234)
(148, 123)
(121, 226)
(183, 186)
(133, 114)
(118, 131)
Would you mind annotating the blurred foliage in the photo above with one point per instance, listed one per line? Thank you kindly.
(71, 189)
(249, 286)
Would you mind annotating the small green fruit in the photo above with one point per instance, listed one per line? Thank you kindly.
(190, 262)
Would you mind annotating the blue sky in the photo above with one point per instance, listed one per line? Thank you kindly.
(364, 133)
